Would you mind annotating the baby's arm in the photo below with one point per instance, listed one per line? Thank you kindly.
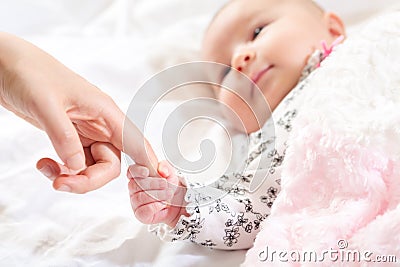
(230, 221)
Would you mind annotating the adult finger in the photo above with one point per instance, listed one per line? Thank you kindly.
(165, 169)
(138, 148)
(62, 134)
(52, 169)
(127, 137)
(106, 168)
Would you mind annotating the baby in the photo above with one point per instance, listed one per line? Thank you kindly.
(276, 44)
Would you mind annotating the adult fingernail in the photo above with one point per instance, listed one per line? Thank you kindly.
(64, 188)
(46, 171)
(76, 162)
(164, 171)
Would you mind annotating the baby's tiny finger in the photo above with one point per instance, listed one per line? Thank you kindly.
(146, 197)
(150, 213)
(150, 183)
(144, 184)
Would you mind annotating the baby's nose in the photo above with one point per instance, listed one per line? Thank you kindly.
(241, 60)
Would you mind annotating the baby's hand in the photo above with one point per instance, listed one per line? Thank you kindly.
(156, 199)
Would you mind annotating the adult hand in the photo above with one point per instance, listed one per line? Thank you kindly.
(84, 125)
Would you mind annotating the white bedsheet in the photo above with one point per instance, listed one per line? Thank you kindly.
(117, 45)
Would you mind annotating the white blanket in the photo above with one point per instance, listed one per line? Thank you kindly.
(117, 45)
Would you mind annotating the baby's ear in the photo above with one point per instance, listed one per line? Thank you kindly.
(335, 25)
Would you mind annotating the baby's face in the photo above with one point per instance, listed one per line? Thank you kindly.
(269, 41)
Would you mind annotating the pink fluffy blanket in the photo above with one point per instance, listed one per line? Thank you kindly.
(339, 204)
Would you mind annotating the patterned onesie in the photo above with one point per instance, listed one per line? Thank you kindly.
(232, 221)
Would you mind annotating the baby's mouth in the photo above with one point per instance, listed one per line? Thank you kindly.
(257, 76)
